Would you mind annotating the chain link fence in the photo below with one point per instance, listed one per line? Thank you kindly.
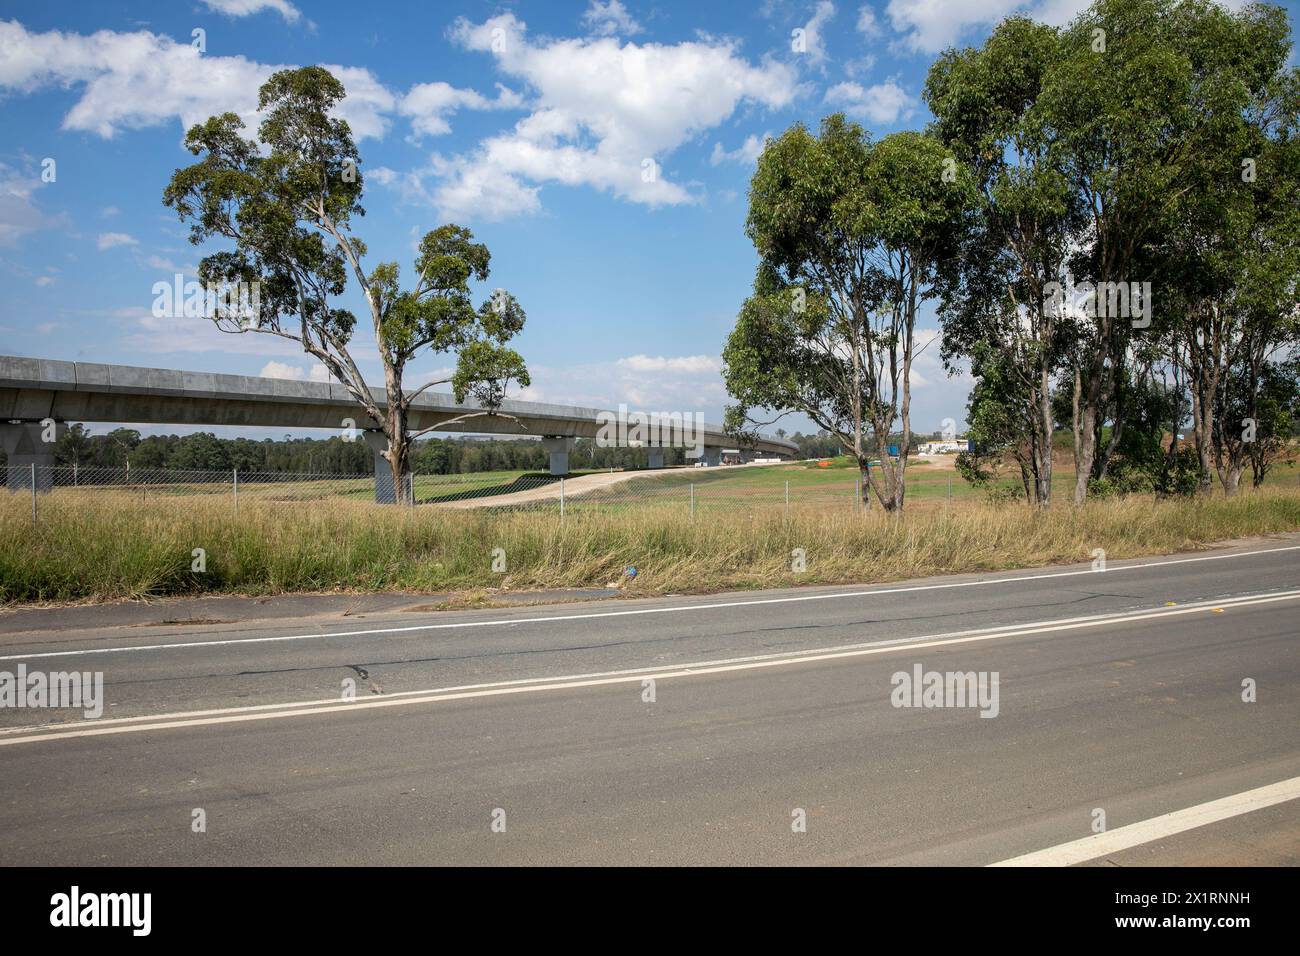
(687, 491)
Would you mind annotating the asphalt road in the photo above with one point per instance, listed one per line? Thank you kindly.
(1117, 691)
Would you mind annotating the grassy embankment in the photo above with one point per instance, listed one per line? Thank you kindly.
(101, 546)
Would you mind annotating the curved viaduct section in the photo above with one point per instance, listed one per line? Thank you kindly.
(33, 390)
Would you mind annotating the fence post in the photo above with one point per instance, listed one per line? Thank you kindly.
(33, 495)
(561, 497)
(692, 501)
(236, 491)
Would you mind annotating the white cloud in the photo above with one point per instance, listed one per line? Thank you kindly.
(243, 8)
(929, 26)
(141, 79)
(867, 23)
(43, 281)
(643, 382)
(19, 215)
(167, 265)
(879, 103)
(109, 240)
(659, 363)
(932, 25)
(603, 113)
(367, 103)
(814, 47)
(610, 19)
(746, 153)
(317, 372)
(429, 104)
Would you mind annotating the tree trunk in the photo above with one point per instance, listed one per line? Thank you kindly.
(1085, 436)
(1231, 478)
(1043, 426)
(399, 442)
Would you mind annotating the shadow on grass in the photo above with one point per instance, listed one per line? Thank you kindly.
(523, 482)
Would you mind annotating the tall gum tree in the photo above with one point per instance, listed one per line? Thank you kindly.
(850, 235)
(288, 202)
(999, 309)
(1230, 250)
(1142, 95)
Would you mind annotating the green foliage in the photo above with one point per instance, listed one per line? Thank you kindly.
(850, 235)
(1147, 140)
(288, 202)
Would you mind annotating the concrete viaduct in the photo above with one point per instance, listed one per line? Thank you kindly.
(34, 390)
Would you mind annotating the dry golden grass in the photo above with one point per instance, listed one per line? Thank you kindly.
(100, 548)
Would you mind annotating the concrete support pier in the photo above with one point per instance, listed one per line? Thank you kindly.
(24, 443)
(384, 490)
(712, 455)
(558, 448)
(656, 457)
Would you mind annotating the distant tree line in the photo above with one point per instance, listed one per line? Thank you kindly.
(122, 447)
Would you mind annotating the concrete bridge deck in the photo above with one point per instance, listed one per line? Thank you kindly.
(33, 390)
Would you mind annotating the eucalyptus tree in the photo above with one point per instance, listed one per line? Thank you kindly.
(288, 202)
(1145, 101)
(1229, 253)
(850, 235)
(1003, 309)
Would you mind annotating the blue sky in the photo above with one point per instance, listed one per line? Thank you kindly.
(531, 123)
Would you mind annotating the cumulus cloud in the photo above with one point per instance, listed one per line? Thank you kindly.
(141, 79)
(610, 19)
(244, 8)
(928, 26)
(879, 103)
(110, 240)
(429, 104)
(746, 153)
(604, 114)
(317, 372)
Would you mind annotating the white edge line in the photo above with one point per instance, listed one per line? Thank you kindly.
(1157, 828)
(532, 685)
(634, 611)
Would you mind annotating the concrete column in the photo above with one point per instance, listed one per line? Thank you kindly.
(23, 443)
(712, 455)
(559, 448)
(384, 493)
(656, 457)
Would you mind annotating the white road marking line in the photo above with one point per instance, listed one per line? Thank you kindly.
(1157, 828)
(635, 611)
(536, 684)
(1003, 630)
